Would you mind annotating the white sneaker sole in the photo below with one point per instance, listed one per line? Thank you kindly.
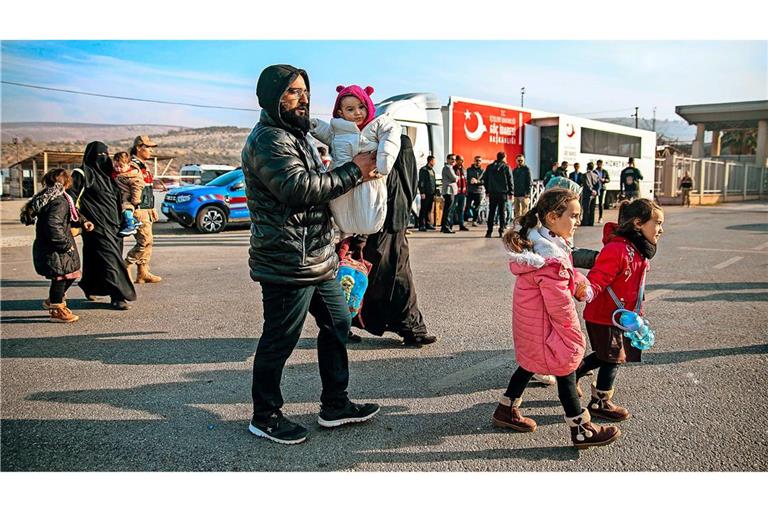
(259, 433)
(344, 421)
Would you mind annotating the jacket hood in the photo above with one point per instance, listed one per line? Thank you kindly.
(608, 231)
(546, 247)
(272, 84)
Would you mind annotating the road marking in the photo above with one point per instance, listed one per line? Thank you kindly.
(655, 294)
(712, 249)
(472, 372)
(729, 262)
(761, 247)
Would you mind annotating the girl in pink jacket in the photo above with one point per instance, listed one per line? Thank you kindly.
(546, 329)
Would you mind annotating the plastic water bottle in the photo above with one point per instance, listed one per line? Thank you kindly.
(637, 330)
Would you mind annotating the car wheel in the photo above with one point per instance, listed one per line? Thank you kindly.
(211, 219)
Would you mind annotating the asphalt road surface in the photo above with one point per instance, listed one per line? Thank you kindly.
(165, 386)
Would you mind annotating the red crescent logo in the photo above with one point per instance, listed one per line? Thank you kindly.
(570, 131)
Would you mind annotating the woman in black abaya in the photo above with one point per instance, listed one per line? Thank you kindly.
(98, 197)
(390, 300)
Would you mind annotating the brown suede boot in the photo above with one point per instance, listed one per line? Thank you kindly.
(61, 314)
(143, 275)
(601, 406)
(507, 415)
(584, 433)
(47, 303)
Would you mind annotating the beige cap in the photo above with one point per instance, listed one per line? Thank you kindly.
(143, 140)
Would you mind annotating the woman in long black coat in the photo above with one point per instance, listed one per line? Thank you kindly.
(98, 198)
(390, 300)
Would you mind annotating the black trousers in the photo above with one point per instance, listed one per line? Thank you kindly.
(425, 208)
(446, 220)
(473, 205)
(600, 202)
(497, 202)
(606, 376)
(587, 210)
(58, 290)
(285, 309)
(566, 390)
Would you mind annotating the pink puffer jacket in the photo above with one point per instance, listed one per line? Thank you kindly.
(545, 325)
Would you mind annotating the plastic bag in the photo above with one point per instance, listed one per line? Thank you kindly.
(363, 209)
(352, 277)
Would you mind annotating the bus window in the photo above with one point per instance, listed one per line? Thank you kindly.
(598, 142)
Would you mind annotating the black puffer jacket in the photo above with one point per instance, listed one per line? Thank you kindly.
(54, 252)
(288, 194)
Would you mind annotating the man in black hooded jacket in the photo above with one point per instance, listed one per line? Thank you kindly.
(292, 254)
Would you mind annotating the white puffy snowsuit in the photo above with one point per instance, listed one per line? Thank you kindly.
(363, 209)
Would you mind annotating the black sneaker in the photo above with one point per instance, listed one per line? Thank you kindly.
(354, 338)
(410, 340)
(279, 429)
(350, 413)
(488, 235)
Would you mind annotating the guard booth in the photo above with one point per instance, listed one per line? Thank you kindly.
(26, 175)
(718, 177)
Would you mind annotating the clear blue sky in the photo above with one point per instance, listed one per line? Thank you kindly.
(591, 78)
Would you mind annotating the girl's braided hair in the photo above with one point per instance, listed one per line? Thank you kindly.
(553, 200)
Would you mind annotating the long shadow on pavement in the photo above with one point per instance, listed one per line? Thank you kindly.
(191, 432)
(705, 287)
(189, 435)
(684, 356)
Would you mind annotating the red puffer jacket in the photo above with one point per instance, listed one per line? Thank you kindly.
(619, 265)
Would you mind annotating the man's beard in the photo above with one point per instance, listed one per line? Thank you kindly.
(292, 118)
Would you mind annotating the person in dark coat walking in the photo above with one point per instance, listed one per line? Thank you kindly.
(390, 300)
(629, 179)
(498, 187)
(292, 254)
(97, 196)
(589, 185)
(54, 252)
(427, 186)
(602, 180)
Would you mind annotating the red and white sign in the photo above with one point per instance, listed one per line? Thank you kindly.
(485, 130)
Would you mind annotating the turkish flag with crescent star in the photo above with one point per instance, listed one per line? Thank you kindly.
(485, 130)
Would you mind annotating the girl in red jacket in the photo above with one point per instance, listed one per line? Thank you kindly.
(621, 265)
(546, 329)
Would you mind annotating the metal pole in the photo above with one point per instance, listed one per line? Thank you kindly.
(522, 96)
(636, 109)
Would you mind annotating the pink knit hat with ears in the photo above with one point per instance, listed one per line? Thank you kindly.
(358, 92)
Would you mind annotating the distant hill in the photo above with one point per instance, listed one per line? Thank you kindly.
(670, 130)
(77, 132)
(213, 145)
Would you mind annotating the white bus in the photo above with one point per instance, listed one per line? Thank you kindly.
(559, 138)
